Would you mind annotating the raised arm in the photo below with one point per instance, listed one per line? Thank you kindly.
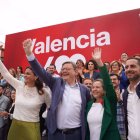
(8, 77)
(110, 92)
(27, 46)
(96, 55)
(37, 68)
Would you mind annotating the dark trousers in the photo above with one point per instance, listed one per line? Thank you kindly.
(58, 135)
(3, 133)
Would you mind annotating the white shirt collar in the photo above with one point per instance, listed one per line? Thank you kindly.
(134, 87)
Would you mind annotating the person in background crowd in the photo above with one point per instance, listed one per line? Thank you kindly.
(137, 56)
(4, 101)
(120, 109)
(81, 69)
(19, 74)
(124, 57)
(107, 66)
(101, 112)
(88, 83)
(9, 113)
(116, 68)
(131, 99)
(2, 81)
(52, 70)
(12, 71)
(30, 95)
(80, 65)
(66, 116)
(8, 88)
(92, 68)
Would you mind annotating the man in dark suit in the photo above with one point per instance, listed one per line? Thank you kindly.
(66, 116)
(131, 99)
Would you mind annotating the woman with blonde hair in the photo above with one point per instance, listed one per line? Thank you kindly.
(101, 111)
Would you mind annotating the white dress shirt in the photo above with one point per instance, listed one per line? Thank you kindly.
(69, 109)
(133, 109)
(94, 118)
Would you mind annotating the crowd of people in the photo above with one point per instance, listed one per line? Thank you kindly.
(93, 101)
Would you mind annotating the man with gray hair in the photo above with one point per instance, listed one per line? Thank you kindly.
(66, 116)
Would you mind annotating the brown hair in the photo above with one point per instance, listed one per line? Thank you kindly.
(38, 83)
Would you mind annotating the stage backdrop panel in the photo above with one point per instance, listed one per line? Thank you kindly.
(114, 33)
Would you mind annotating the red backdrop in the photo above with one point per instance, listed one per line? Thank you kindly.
(115, 33)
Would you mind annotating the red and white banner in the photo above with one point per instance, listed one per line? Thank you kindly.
(115, 33)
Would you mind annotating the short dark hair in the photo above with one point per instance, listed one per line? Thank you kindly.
(53, 65)
(87, 79)
(138, 60)
(94, 63)
(114, 74)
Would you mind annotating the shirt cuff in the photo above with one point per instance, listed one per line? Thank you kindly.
(31, 57)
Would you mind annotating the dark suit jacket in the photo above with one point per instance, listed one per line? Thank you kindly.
(11, 111)
(109, 129)
(95, 75)
(125, 97)
(57, 86)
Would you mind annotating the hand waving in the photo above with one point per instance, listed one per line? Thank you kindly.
(27, 46)
(96, 55)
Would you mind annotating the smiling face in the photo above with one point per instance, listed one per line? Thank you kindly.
(97, 90)
(88, 83)
(69, 72)
(115, 66)
(132, 70)
(115, 81)
(80, 63)
(51, 69)
(29, 77)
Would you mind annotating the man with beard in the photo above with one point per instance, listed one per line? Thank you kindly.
(88, 83)
(120, 109)
(52, 70)
(131, 99)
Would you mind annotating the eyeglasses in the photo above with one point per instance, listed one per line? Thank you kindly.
(115, 65)
(67, 69)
